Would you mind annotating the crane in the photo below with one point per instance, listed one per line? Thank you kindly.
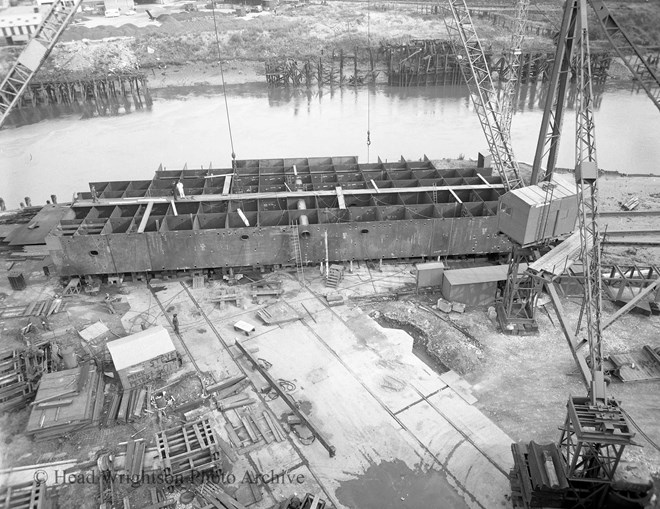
(579, 471)
(474, 67)
(34, 54)
(513, 64)
(519, 296)
(642, 71)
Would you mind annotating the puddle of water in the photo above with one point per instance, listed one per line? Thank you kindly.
(391, 484)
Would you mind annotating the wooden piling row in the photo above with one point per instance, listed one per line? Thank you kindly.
(106, 94)
(335, 68)
(425, 62)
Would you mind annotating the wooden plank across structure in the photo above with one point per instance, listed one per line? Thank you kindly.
(188, 450)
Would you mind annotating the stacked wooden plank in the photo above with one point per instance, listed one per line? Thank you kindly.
(29, 495)
(126, 406)
(14, 388)
(20, 371)
(134, 461)
(189, 450)
(248, 431)
(37, 308)
(67, 401)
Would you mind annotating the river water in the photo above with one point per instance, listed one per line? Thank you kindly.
(61, 155)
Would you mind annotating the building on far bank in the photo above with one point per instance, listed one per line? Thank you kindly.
(121, 5)
(19, 23)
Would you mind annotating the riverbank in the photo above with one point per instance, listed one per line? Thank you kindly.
(179, 48)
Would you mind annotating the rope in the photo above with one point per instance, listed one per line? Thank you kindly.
(368, 91)
(224, 88)
(641, 432)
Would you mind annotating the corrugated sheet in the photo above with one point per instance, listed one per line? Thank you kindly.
(140, 347)
(557, 260)
(536, 195)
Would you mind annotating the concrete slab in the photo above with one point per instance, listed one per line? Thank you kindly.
(362, 431)
(395, 375)
(476, 426)
(459, 385)
(485, 484)
(298, 481)
(276, 458)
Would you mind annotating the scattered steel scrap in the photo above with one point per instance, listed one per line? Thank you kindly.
(291, 403)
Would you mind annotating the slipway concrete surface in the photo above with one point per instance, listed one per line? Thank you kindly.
(405, 435)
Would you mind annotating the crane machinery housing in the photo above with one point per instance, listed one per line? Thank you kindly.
(579, 471)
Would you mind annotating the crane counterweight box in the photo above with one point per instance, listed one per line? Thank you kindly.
(532, 214)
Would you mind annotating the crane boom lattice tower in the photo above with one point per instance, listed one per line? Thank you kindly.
(474, 67)
(35, 53)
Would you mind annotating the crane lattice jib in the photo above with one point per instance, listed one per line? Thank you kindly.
(474, 67)
(643, 73)
(587, 187)
(34, 54)
(513, 64)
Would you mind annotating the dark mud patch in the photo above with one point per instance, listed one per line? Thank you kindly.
(420, 342)
(305, 407)
(392, 485)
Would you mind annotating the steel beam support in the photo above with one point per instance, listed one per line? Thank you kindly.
(585, 372)
(553, 112)
(292, 194)
(630, 304)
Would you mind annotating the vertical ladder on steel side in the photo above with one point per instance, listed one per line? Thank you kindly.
(295, 246)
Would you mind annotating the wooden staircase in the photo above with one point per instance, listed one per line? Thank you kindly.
(335, 275)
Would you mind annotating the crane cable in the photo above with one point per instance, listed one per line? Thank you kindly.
(224, 88)
(368, 91)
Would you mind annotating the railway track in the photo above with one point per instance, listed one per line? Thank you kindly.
(630, 213)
